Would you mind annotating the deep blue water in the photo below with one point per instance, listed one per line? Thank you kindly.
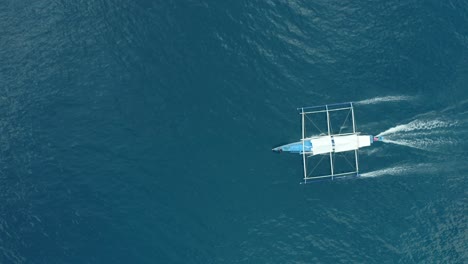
(141, 131)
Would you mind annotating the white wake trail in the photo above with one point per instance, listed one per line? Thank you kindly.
(440, 134)
(418, 125)
(392, 98)
(427, 144)
(387, 171)
(437, 134)
(399, 170)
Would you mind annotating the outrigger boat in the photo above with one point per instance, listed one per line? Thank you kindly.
(336, 146)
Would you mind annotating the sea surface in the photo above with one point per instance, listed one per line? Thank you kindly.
(141, 131)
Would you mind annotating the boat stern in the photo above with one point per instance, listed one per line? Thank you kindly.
(377, 138)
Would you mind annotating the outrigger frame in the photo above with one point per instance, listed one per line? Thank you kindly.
(304, 111)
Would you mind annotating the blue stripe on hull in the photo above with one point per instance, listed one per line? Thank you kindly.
(295, 147)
